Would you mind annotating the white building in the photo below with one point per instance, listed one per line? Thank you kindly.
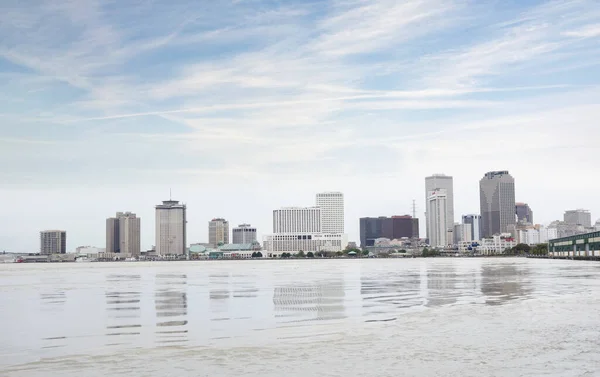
(171, 226)
(123, 234)
(53, 242)
(437, 221)
(297, 220)
(537, 235)
(496, 244)
(89, 250)
(243, 233)
(332, 211)
(578, 217)
(276, 244)
(445, 182)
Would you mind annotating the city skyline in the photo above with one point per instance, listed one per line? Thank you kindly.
(104, 108)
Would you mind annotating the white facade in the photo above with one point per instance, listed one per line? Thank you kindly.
(445, 182)
(437, 221)
(87, 250)
(489, 246)
(297, 220)
(171, 226)
(276, 244)
(332, 211)
(533, 236)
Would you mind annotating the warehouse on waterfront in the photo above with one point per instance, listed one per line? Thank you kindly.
(581, 245)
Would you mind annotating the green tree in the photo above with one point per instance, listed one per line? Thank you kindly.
(254, 254)
(300, 254)
(310, 254)
(521, 248)
(365, 252)
(339, 253)
(259, 254)
(427, 253)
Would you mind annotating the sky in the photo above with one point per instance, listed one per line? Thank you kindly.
(240, 107)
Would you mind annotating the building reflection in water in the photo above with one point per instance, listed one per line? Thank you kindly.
(502, 283)
(123, 309)
(441, 286)
(171, 305)
(306, 302)
(383, 292)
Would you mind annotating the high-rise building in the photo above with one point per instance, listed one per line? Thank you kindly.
(578, 217)
(53, 242)
(171, 228)
(123, 234)
(437, 222)
(218, 232)
(332, 211)
(395, 227)
(441, 181)
(462, 233)
(474, 222)
(497, 201)
(243, 233)
(297, 220)
(524, 213)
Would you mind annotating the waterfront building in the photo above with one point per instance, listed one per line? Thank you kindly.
(578, 217)
(474, 222)
(564, 229)
(332, 211)
(395, 227)
(580, 245)
(278, 243)
(497, 244)
(243, 234)
(53, 242)
(123, 234)
(597, 225)
(524, 213)
(218, 232)
(497, 201)
(297, 220)
(171, 228)
(85, 250)
(445, 182)
(437, 221)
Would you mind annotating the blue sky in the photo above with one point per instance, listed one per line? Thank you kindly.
(244, 106)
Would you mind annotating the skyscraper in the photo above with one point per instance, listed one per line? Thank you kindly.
(474, 222)
(332, 211)
(524, 213)
(123, 234)
(497, 201)
(437, 221)
(218, 232)
(243, 233)
(53, 242)
(171, 227)
(578, 217)
(441, 181)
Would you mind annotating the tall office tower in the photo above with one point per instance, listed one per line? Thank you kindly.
(123, 234)
(578, 217)
(244, 233)
(53, 242)
(441, 181)
(297, 220)
(395, 227)
(437, 221)
(474, 222)
(524, 213)
(171, 224)
(332, 211)
(497, 201)
(218, 232)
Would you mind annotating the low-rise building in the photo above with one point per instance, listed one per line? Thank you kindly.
(496, 244)
(580, 245)
(278, 243)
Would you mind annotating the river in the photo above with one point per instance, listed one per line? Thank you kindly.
(408, 317)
